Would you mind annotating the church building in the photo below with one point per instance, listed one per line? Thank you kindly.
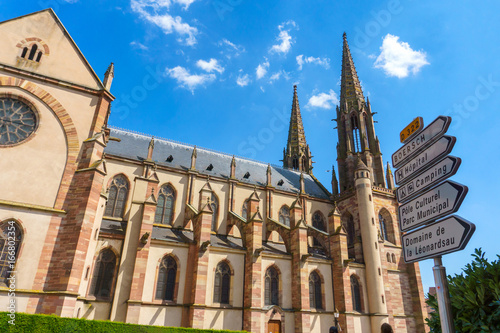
(103, 223)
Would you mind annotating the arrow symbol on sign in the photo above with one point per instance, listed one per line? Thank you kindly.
(436, 173)
(440, 148)
(448, 235)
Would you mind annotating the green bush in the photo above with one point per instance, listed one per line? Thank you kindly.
(475, 297)
(53, 324)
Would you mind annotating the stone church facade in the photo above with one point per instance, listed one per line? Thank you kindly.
(103, 223)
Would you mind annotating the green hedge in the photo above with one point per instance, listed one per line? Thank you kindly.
(54, 324)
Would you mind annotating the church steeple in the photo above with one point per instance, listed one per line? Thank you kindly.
(296, 154)
(357, 139)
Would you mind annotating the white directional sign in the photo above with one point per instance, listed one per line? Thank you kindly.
(438, 149)
(448, 235)
(441, 170)
(437, 202)
(435, 129)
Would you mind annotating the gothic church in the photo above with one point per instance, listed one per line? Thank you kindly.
(103, 223)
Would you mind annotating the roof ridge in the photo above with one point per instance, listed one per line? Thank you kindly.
(203, 148)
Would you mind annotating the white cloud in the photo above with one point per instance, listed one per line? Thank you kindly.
(243, 80)
(149, 10)
(277, 75)
(185, 3)
(398, 59)
(187, 80)
(284, 38)
(323, 100)
(232, 48)
(261, 70)
(138, 45)
(210, 66)
(325, 62)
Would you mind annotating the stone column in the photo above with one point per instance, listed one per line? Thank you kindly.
(252, 297)
(377, 306)
(300, 276)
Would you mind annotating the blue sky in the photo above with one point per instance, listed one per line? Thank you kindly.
(220, 74)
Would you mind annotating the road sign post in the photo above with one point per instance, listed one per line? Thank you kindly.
(425, 195)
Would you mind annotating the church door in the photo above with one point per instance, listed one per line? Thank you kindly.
(274, 326)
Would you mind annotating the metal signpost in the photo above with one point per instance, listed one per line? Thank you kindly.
(425, 195)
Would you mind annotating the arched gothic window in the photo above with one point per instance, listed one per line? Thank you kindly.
(10, 235)
(33, 51)
(222, 283)
(284, 216)
(355, 134)
(383, 229)
(356, 294)
(350, 230)
(318, 222)
(272, 286)
(214, 203)
(315, 295)
(167, 274)
(104, 274)
(295, 163)
(165, 205)
(244, 210)
(118, 192)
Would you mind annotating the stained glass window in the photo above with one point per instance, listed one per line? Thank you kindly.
(272, 287)
(315, 295)
(167, 275)
(284, 216)
(117, 197)
(165, 205)
(104, 274)
(222, 283)
(17, 121)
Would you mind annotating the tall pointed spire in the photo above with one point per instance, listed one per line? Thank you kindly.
(355, 127)
(350, 88)
(296, 153)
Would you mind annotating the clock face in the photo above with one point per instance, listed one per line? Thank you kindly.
(17, 121)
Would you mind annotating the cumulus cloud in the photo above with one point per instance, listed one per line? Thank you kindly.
(149, 10)
(261, 70)
(243, 80)
(301, 60)
(398, 58)
(323, 100)
(187, 80)
(210, 66)
(284, 38)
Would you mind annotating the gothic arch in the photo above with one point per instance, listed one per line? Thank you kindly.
(73, 145)
(177, 276)
(385, 218)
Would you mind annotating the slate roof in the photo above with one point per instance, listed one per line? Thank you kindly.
(135, 146)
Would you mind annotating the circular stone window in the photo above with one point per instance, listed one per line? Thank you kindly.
(17, 121)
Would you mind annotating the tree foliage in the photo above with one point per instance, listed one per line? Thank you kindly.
(475, 297)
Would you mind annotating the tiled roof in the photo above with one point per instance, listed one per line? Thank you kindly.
(135, 146)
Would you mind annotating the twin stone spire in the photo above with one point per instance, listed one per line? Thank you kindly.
(357, 140)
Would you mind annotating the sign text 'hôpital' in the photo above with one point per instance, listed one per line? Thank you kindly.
(435, 203)
(424, 159)
(432, 132)
(448, 235)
